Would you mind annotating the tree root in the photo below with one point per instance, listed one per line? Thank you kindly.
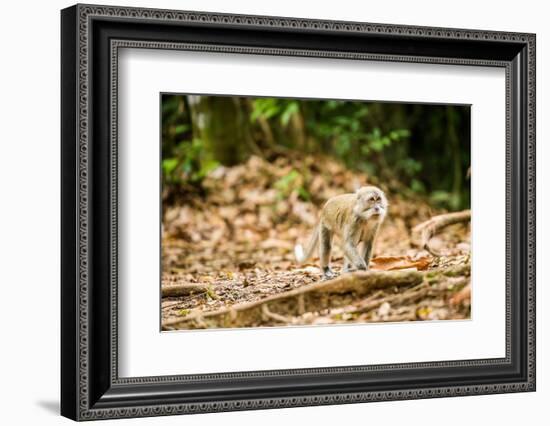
(281, 308)
(422, 233)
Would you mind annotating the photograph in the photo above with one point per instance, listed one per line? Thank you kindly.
(284, 212)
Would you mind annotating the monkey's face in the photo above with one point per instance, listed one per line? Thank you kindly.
(371, 201)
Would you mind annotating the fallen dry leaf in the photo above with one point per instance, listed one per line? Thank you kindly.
(392, 263)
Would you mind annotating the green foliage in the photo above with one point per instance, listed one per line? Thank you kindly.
(274, 108)
(426, 148)
(346, 128)
(188, 164)
(409, 166)
(418, 186)
(342, 125)
(293, 181)
(180, 129)
(446, 199)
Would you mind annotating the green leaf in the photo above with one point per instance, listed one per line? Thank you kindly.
(169, 165)
(286, 184)
(343, 145)
(304, 195)
(377, 145)
(399, 134)
(418, 186)
(289, 111)
(181, 128)
(440, 196)
(206, 167)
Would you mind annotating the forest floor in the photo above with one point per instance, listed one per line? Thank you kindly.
(232, 249)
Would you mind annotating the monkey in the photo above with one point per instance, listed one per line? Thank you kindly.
(355, 218)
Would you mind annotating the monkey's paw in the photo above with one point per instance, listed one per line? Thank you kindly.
(328, 274)
(362, 267)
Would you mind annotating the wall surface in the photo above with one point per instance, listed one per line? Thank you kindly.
(29, 225)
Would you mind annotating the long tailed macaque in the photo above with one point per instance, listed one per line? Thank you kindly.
(355, 219)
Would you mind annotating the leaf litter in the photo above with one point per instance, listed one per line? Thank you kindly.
(237, 242)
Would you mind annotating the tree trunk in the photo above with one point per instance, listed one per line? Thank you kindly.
(222, 125)
(456, 156)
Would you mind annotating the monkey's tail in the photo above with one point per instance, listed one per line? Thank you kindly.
(301, 255)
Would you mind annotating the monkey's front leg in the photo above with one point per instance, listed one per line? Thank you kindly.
(356, 260)
(350, 250)
(347, 265)
(363, 252)
(325, 245)
(366, 251)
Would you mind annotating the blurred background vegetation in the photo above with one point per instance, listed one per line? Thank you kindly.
(411, 148)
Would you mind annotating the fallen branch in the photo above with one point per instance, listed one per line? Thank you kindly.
(186, 289)
(311, 298)
(422, 233)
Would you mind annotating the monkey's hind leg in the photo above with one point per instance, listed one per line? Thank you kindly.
(325, 245)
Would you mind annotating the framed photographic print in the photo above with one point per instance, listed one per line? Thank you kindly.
(263, 212)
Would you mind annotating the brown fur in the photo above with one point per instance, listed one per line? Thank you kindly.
(355, 220)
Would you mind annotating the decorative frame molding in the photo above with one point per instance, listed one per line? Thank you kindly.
(91, 37)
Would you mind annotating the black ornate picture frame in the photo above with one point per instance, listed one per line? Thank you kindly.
(90, 385)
